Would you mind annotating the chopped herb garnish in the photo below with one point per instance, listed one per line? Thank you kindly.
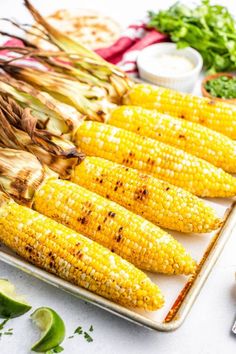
(2, 324)
(70, 337)
(79, 330)
(8, 333)
(222, 86)
(57, 349)
(88, 337)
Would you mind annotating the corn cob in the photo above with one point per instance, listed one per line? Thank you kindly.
(216, 115)
(73, 257)
(158, 201)
(127, 234)
(161, 160)
(187, 213)
(194, 138)
(176, 161)
(112, 226)
(215, 148)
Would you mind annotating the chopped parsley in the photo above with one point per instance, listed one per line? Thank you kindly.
(8, 332)
(78, 330)
(222, 87)
(88, 337)
(57, 349)
(2, 324)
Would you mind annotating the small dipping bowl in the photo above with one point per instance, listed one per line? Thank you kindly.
(205, 93)
(183, 81)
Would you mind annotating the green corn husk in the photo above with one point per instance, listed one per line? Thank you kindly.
(94, 64)
(18, 130)
(53, 115)
(89, 101)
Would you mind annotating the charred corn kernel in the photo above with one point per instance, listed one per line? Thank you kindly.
(73, 257)
(213, 114)
(194, 138)
(161, 160)
(160, 202)
(129, 235)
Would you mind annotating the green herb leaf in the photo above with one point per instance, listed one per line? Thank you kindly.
(222, 87)
(57, 349)
(210, 29)
(88, 337)
(7, 333)
(2, 324)
(91, 329)
(78, 330)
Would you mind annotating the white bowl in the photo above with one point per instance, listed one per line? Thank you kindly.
(180, 81)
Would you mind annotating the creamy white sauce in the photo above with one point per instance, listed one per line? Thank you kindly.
(170, 64)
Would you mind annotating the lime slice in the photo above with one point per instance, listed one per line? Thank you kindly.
(52, 327)
(11, 304)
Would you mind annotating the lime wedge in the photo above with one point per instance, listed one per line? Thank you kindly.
(11, 304)
(52, 327)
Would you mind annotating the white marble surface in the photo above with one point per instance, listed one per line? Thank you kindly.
(207, 328)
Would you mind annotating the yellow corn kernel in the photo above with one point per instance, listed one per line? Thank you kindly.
(158, 201)
(129, 235)
(213, 114)
(161, 160)
(194, 138)
(73, 257)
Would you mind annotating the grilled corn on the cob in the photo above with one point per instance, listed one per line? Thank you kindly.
(213, 114)
(194, 138)
(143, 194)
(159, 159)
(73, 257)
(158, 201)
(127, 234)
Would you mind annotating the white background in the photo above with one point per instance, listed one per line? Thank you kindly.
(207, 328)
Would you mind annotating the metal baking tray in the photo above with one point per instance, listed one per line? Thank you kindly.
(180, 291)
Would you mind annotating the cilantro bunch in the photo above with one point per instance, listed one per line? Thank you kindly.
(210, 29)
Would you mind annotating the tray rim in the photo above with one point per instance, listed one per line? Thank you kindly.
(180, 313)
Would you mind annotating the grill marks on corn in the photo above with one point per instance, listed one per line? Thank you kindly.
(141, 193)
(161, 160)
(123, 232)
(216, 115)
(188, 136)
(71, 256)
(156, 200)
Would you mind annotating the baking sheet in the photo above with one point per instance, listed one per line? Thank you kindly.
(180, 291)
